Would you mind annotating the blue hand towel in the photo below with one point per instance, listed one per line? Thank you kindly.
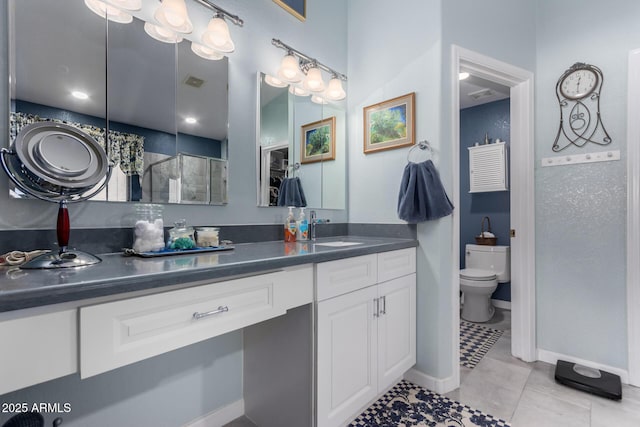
(291, 193)
(422, 196)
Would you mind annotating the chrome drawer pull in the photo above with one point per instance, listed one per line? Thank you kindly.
(221, 309)
(376, 312)
(384, 305)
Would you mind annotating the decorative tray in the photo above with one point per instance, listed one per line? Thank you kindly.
(169, 252)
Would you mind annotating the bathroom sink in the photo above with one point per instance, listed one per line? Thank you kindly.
(338, 244)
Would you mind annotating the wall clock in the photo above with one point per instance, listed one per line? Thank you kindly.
(578, 92)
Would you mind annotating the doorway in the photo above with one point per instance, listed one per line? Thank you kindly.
(521, 183)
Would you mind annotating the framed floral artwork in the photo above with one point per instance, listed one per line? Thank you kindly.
(389, 124)
(297, 8)
(318, 141)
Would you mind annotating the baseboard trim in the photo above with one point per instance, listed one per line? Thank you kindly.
(220, 416)
(501, 304)
(439, 385)
(551, 357)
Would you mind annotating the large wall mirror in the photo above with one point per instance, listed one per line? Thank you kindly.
(298, 137)
(159, 109)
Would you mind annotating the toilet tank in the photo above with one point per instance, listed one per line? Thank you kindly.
(492, 258)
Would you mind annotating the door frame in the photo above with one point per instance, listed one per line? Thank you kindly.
(523, 304)
(633, 218)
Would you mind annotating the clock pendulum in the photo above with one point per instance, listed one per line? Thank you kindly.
(578, 92)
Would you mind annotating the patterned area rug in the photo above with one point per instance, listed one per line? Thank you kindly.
(406, 405)
(475, 342)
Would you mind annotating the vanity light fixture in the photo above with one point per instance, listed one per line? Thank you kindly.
(172, 14)
(298, 91)
(206, 52)
(274, 81)
(318, 100)
(172, 20)
(463, 75)
(335, 91)
(313, 82)
(112, 13)
(217, 35)
(79, 94)
(296, 65)
(191, 120)
(161, 33)
(290, 69)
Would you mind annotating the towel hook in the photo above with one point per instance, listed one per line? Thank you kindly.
(424, 146)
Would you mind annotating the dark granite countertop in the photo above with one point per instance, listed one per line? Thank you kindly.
(118, 274)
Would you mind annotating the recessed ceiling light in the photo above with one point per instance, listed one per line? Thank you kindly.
(463, 75)
(80, 95)
(191, 120)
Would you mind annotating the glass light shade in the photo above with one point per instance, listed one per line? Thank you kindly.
(318, 100)
(217, 36)
(334, 91)
(173, 14)
(161, 34)
(274, 81)
(112, 13)
(205, 52)
(290, 69)
(127, 4)
(313, 81)
(298, 91)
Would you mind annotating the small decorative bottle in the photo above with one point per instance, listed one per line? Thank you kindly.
(290, 227)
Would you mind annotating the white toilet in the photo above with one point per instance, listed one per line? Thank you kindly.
(486, 266)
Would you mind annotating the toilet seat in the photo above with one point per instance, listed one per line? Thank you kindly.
(477, 274)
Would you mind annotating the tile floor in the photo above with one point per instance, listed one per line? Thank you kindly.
(526, 394)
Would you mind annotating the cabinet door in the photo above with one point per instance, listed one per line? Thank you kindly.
(347, 343)
(396, 329)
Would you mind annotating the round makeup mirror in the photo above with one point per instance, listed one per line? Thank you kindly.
(57, 163)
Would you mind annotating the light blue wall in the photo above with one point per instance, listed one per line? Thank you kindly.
(413, 53)
(581, 209)
(391, 53)
(264, 20)
(492, 119)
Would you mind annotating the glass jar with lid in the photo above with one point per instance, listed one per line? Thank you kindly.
(181, 236)
(207, 236)
(148, 231)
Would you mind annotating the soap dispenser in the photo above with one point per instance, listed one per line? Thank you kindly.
(303, 226)
(290, 227)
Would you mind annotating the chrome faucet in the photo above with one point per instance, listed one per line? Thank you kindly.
(312, 225)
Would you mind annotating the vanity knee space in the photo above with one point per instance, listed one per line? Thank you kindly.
(366, 330)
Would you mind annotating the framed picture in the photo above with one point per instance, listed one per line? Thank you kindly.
(318, 142)
(389, 124)
(297, 8)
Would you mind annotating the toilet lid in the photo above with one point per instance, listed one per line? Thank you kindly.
(477, 274)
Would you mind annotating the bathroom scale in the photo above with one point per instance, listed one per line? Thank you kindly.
(594, 381)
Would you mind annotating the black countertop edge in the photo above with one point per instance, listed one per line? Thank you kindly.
(61, 293)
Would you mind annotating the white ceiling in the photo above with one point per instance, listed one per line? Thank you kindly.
(484, 90)
(59, 47)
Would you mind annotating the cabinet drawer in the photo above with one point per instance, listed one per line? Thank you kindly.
(122, 332)
(346, 275)
(396, 264)
(38, 348)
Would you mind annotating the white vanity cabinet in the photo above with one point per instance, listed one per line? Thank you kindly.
(37, 345)
(366, 337)
(122, 332)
